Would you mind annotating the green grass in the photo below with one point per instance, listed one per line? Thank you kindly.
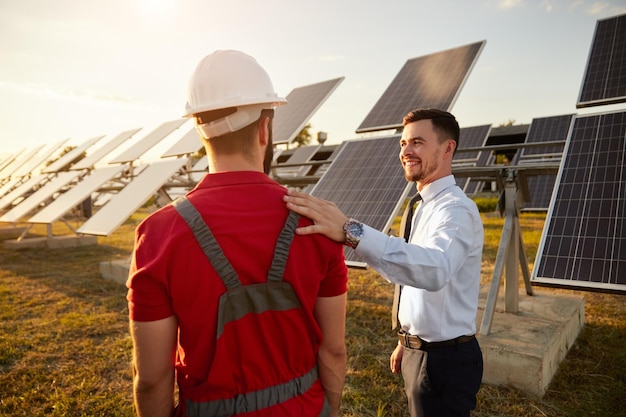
(65, 348)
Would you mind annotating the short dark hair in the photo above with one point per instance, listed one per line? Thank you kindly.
(444, 123)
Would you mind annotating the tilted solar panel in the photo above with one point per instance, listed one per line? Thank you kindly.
(543, 129)
(366, 181)
(584, 238)
(300, 155)
(69, 158)
(302, 103)
(39, 197)
(604, 81)
(147, 142)
(470, 137)
(90, 160)
(430, 81)
(123, 204)
(188, 144)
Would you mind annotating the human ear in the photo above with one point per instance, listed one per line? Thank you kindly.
(263, 131)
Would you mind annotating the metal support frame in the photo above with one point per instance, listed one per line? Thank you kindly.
(510, 252)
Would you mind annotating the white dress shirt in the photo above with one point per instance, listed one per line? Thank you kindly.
(439, 267)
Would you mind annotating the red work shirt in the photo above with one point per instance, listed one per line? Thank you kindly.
(170, 275)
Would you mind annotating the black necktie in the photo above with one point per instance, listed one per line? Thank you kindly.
(408, 216)
(405, 226)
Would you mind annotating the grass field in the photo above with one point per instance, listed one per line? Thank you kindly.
(65, 348)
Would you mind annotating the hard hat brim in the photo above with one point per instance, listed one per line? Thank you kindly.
(271, 102)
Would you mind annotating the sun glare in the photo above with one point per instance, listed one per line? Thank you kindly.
(151, 10)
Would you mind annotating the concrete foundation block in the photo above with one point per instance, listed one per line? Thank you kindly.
(55, 242)
(524, 350)
(116, 270)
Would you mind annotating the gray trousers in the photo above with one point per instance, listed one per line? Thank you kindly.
(442, 381)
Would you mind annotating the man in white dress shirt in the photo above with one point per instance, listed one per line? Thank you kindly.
(438, 269)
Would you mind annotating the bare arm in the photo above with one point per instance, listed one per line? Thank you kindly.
(327, 218)
(154, 350)
(330, 313)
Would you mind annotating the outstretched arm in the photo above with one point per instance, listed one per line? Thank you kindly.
(328, 220)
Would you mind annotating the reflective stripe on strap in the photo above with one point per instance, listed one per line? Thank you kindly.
(253, 401)
(207, 242)
(281, 251)
(254, 298)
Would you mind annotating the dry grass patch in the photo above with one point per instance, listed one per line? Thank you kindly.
(65, 348)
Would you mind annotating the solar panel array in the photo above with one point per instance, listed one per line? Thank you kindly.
(584, 240)
(430, 81)
(300, 155)
(471, 137)
(543, 129)
(147, 142)
(366, 181)
(302, 103)
(604, 81)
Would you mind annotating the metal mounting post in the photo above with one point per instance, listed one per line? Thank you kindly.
(510, 251)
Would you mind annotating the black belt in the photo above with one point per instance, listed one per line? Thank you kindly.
(414, 342)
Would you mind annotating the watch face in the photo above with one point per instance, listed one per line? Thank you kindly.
(355, 228)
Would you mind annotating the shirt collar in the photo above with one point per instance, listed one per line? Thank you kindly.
(431, 190)
(221, 179)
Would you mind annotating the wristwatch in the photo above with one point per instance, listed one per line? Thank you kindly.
(354, 232)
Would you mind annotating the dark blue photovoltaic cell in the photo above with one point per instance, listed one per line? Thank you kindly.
(604, 81)
(471, 137)
(584, 240)
(302, 103)
(543, 129)
(430, 81)
(366, 181)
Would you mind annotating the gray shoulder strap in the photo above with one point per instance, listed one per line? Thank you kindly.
(207, 242)
(214, 253)
(281, 252)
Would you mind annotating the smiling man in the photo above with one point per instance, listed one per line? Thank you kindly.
(436, 266)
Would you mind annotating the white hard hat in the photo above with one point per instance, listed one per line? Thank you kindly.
(226, 79)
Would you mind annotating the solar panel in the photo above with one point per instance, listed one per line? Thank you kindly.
(5, 162)
(21, 189)
(604, 81)
(430, 81)
(18, 162)
(300, 155)
(188, 144)
(199, 169)
(37, 160)
(90, 160)
(71, 156)
(584, 238)
(9, 185)
(470, 137)
(366, 181)
(476, 186)
(121, 206)
(147, 142)
(543, 129)
(302, 103)
(39, 197)
(76, 194)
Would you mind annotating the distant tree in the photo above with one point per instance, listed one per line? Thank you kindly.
(65, 150)
(510, 122)
(304, 137)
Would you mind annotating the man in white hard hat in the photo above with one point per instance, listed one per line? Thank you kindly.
(224, 299)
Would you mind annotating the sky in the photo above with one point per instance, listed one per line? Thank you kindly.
(75, 69)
